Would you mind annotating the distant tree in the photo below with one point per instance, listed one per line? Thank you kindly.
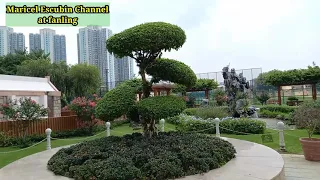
(10, 62)
(85, 78)
(38, 54)
(263, 97)
(34, 68)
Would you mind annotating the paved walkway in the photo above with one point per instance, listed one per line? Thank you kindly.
(297, 168)
(272, 123)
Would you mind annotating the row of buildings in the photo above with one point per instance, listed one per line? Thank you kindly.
(91, 45)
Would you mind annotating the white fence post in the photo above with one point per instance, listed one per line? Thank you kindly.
(48, 132)
(108, 128)
(162, 121)
(217, 121)
(281, 136)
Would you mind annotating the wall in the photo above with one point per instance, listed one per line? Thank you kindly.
(56, 107)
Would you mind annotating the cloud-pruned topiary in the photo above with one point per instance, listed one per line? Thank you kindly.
(116, 102)
(173, 71)
(158, 107)
(167, 156)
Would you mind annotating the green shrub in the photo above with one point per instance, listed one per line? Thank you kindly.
(277, 108)
(229, 126)
(293, 98)
(116, 102)
(208, 112)
(166, 156)
(158, 107)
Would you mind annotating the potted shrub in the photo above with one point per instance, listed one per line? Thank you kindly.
(308, 116)
(292, 101)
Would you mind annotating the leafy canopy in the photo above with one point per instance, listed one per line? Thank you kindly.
(173, 71)
(158, 107)
(85, 78)
(116, 102)
(294, 76)
(146, 40)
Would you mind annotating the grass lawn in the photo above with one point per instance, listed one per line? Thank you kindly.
(291, 139)
(10, 157)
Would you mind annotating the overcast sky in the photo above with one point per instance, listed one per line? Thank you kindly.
(271, 34)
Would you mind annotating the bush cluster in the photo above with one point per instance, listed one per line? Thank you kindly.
(208, 112)
(277, 108)
(6, 141)
(228, 126)
(166, 156)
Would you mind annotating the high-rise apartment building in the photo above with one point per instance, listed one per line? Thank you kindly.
(123, 69)
(17, 42)
(92, 50)
(5, 40)
(60, 53)
(34, 42)
(47, 42)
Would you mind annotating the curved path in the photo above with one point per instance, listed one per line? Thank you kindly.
(253, 162)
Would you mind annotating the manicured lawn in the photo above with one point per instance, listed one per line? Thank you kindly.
(10, 157)
(291, 139)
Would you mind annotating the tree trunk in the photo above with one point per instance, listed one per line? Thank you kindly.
(146, 87)
(149, 128)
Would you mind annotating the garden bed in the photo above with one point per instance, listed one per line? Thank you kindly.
(166, 156)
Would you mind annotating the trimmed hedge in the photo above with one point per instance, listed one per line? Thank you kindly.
(166, 156)
(6, 141)
(208, 112)
(116, 102)
(277, 108)
(228, 126)
(158, 107)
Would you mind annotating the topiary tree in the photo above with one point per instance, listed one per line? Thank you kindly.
(145, 43)
(173, 71)
(116, 102)
(155, 108)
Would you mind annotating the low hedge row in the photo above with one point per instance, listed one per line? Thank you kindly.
(228, 126)
(208, 112)
(167, 156)
(277, 108)
(6, 141)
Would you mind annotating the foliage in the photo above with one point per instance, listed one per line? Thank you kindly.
(293, 98)
(308, 116)
(23, 112)
(278, 115)
(173, 71)
(294, 76)
(135, 83)
(263, 97)
(86, 79)
(145, 43)
(277, 108)
(220, 97)
(205, 84)
(10, 62)
(116, 102)
(167, 156)
(146, 40)
(133, 114)
(159, 107)
(229, 126)
(34, 68)
(208, 112)
(85, 110)
(178, 88)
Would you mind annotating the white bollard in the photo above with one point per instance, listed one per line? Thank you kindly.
(162, 121)
(108, 128)
(217, 121)
(281, 136)
(48, 133)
